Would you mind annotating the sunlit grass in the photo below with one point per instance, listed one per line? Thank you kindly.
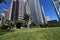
(32, 34)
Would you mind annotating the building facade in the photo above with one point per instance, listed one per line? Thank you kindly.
(22, 9)
(43, 15)
(10, 10)
(57, 7)
(19, 8)
(14, 10)
(35, 10)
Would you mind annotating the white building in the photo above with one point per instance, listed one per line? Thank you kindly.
(2, 18)
(47, 18)
(6, 13)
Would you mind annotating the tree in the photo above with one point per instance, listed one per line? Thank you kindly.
(26, 18)
(2, 1)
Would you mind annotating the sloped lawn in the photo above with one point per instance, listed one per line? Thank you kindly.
(32, 34)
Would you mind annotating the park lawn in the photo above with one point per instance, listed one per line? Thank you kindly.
(32, 34)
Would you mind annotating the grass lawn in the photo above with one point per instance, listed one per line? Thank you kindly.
(32, 34)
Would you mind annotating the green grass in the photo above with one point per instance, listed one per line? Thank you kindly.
(32, 34)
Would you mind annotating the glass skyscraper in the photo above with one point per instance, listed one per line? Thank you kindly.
(35, 11)
(57, 7)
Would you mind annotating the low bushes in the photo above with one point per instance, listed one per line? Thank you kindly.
(34, 25)
(19, 24)
(5, 27)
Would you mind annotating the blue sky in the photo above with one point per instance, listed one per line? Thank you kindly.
(49, 9)
(4, 6)
(47, 4)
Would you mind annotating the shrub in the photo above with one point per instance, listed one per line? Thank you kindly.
(19, 24)
(25, 25)
(33, 25)
(42, 25)
(12, 24)
(5, 27)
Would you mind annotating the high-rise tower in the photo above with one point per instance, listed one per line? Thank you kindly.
(32, 7)
(57, 7)
(22, 9)
(35, 10)
(17, 9)
(14, 10)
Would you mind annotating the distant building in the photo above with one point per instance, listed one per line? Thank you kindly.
(47, 18)
(2, 18)
(57, 7)
(53, 21)
(6, 13)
